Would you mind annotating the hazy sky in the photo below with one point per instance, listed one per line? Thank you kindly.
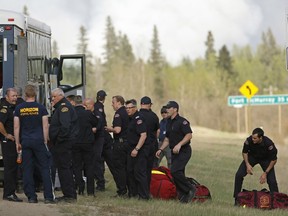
(182, 24)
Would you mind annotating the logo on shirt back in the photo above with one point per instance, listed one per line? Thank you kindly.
(26, 111)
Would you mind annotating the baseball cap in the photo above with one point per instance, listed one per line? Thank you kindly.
(173, 104)
(164, 109)
(146, 100)
(101, 93)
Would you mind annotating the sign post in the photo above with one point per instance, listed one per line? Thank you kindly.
(248, 89)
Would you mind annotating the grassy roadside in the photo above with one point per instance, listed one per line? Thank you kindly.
(215, 159)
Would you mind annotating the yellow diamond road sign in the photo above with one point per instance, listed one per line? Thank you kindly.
(248, 89)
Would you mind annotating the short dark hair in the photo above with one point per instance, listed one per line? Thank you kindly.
(78, 99)
(258, 131)
(131, 101)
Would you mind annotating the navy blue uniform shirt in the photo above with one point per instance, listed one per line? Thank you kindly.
(63, 125)
(30, 115)
(100, 108)
(121, 119)
(265, 150)
(6, 116)
(176, 130)
(135, 128)
(152, 124)
(86, 121)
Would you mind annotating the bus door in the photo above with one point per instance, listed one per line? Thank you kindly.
(71, 77)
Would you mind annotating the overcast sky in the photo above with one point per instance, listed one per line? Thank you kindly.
(182, 24)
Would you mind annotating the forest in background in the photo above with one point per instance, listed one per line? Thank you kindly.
(201, 86)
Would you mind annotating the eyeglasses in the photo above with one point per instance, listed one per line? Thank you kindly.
(130, 107)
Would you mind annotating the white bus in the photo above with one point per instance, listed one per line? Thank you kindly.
(25, 57)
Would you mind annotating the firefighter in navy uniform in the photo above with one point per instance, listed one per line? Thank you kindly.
(152, 123)
(63, 132)
(138, 154)
(120, 144)
(8, 145)
(107, 154)
(83, 148)
(178, 136)
(257, 149)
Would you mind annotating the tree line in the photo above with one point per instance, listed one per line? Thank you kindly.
(200, 85)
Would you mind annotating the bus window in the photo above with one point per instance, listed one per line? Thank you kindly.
(71, 75)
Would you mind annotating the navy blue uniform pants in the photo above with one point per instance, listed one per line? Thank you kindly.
(98, 162)
(120, 153)
(242, 172)
(35, 153)
(63, 161)
(83, 160)
(179, 162)
(137, 173)
(152, 159)
(10, 167)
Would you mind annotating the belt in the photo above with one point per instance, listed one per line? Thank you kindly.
(121, 140)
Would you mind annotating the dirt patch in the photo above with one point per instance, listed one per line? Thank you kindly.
(24, 208)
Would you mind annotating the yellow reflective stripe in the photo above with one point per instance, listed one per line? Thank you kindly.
(157, 172)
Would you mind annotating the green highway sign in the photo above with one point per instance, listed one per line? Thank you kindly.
(258, 100)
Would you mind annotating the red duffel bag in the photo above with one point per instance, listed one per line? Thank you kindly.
(262, 199)
(162, 185)
(202, 192)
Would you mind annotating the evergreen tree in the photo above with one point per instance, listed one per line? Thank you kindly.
(156, 59)
(156, 62)
(111, 45)
(125, 51)
(210, 52)
(268, 48)
(82, 48)
(224, 63)
(25, 10)
(55, 50)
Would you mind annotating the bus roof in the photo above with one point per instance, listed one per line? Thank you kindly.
(23, 22)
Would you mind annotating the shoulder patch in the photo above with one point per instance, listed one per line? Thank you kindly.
(139, 122)
(185, 122)
(116, 115)
(246, 142)
(270, 147)
(100, 110)
(3, 110)
(64, 109)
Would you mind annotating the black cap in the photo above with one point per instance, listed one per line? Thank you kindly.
(101, 93)
(164, 109)
(145, 100)
(173, 104)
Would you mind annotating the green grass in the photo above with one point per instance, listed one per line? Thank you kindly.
(214, 161)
